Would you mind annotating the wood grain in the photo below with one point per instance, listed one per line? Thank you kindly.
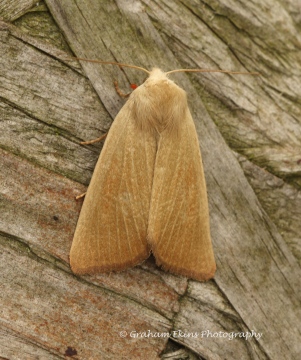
(48, 105)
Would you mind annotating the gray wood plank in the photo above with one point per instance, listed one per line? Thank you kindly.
(48, 105)
(256, 270)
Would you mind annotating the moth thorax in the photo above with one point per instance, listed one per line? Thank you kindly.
(160, 106)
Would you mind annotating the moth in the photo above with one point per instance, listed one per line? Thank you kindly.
(148, 191)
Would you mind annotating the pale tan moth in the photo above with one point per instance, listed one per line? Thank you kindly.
(148, 191)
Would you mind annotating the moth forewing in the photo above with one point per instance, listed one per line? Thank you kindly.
(178, 228)
(112, 226)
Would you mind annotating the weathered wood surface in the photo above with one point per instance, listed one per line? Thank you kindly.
(12, 10)
(48, 105)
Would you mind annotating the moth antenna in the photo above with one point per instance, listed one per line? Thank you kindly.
(213, 70)
(111, 63)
